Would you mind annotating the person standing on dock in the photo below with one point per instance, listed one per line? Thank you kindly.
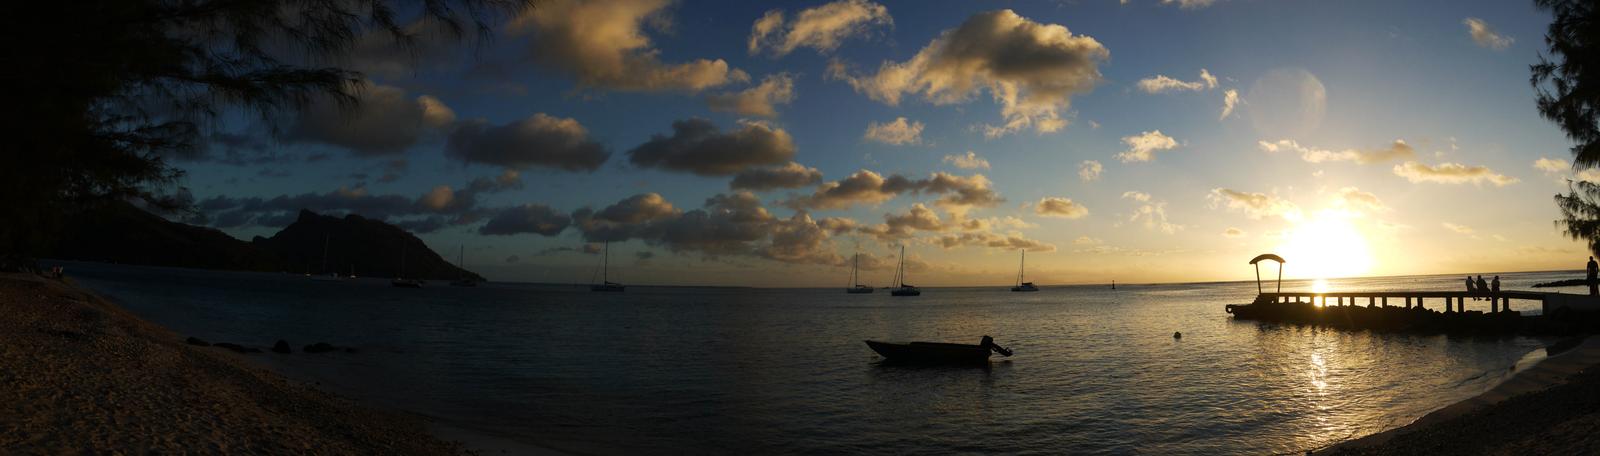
(1594, 270)
(1494, 287)
(1471, 290)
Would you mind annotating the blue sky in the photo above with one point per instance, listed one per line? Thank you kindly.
(1408, 71)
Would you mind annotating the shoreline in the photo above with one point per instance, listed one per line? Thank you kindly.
(81, 374)
(1542, 380)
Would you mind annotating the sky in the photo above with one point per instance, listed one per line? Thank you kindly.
(767, 144)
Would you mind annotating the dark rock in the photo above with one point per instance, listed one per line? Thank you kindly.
(197, 341)
(1177, 335)
(319, 347)
(281, 347)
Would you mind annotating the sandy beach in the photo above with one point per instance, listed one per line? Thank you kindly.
(79, 375)
(1552, 407)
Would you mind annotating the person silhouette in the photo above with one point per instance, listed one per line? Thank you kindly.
(1483, 286)
(1594, 270)
(1471, 290)
(1494, 287)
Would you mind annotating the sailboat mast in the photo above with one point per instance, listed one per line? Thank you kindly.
(324, 253)
(605, 265)
(902, 274)
(1022, 268)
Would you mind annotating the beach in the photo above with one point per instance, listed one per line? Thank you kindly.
(80, 375)
(1552, 407)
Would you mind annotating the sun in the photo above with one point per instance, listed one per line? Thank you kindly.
(1327, 245)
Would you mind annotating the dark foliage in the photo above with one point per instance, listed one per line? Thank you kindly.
(1567, 82)
(105, 90)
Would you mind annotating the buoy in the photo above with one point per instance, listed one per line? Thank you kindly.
(1177, 335)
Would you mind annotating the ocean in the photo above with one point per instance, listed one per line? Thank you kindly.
(784, 371)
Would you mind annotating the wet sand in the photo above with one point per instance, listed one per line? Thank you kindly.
(80, 375)
(1550, 408)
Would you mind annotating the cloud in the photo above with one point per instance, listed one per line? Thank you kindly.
(538, 141)
(1451, 173)
(867, 187)
(1090, 170)
(528, 218)
(1085, 240)
(602, 44)
(728, 225)
(697, 146)
(1551, 165)
(969, 161)
(1230, 99)
(996, 241)
(821, 28)
(1354, 197)
(1142, 147)
(792, 175)
(1255, 205)
(1189, 4)
(971, 232)
(899, 132)
(1051, 206)
(1031, 69)
(761, 100)
(385, 121)
(513, 259)
(1150, 213)
(1163, 84)
(1486, 36)
(1233, 232)
(1459, 229)
(1398, 150)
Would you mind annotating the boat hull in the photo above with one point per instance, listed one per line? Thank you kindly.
(931, 353)
(1024, 289)
(906, 292)
(859, 290)
(608, 288)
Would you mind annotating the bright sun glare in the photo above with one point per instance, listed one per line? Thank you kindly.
(1325, 246)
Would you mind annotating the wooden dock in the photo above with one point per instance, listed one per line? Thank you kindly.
(1454, 301)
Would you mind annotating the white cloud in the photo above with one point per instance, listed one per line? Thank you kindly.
(1451, 173)
(1090, 170)
(969, 161)
(1354, 197)
(1459, 229)
(1486, 36)
(1230, 99)
(1163, 83)
(1031, 69)
(900, 132)
(1189, 4)
(1253, 204)
(1051, 206)
(761, 100)
(1551, 165)
(1142, 147)
(1136, 196)
(602, 44)
(1233, 232)
(822, 28)
(1396, 151)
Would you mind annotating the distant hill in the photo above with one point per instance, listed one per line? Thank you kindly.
(371, 247)
(119, 232)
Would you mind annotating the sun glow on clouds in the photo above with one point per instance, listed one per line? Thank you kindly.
(1326, 245)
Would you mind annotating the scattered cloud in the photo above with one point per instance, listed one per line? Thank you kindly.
(385, 121)
(865, 187)
(602, 44)
(1031, 69)
(539, 141)
(1164, 84)
(1398, 150)
(1136, 196)
(1459, 229)
(1189, 4)
(1354, 197)
(528, 218)
(1233, 232)
(821, 28)
(698, 146)
(1485, 36)
(1089, 170)
(761, 100)
(1051, 206)
(1551, 165)
(1142, 147)
(791, 175)
(1230, 100)
(1451, 173)
(728, 225)
(900, 132)
(969, 161)
(1255, 205)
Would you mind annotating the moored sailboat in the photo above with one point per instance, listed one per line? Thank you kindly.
(901, 287)
(326, 275)
(400, 280)
(855, 278)
(605, 275)
(1021, 285)
(461, 263)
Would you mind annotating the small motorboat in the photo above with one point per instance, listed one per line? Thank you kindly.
(938, 353)
(406, 283)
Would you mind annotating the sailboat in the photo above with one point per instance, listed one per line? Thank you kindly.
(461, 263)
(1023, 286)
(605, 275)
(400, 280)
(903, 288)
(326, 275)
(855, 278)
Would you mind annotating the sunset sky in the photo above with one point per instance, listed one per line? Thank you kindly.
(753, 143)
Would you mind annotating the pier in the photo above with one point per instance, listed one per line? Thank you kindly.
(1454, 301)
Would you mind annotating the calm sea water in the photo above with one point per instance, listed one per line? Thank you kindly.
(707, 370)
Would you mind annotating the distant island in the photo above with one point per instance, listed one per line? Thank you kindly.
(119, 232)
